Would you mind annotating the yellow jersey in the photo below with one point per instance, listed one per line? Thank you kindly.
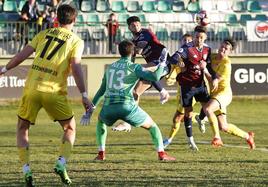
(223, 68)
(54, 48)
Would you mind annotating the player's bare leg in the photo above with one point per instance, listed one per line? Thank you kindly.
(234, 130)
(209, 109)
(164, 95)
(23, 148)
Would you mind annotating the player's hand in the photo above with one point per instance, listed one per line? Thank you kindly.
(3, 70)
(202, 64)
(215, 83)
(89, 107)
(207, 74)
(85, 119)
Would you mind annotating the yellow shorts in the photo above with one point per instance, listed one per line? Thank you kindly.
(224, 101)
(56, 106)
(180, 108)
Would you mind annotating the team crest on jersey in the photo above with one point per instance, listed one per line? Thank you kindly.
(195, 56)
(205, 56)
(180, 50)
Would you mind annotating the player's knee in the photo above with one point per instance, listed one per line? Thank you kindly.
(23, 125)
(223, 128)
(208, 111)
(69, 128)
(178, 118)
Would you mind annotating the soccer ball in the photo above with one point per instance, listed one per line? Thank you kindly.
(201, 18)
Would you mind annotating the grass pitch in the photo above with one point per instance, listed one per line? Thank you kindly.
(131, 159)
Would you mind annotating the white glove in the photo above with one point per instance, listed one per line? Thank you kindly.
(85, 119)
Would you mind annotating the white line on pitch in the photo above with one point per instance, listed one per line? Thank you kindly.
(236, 146)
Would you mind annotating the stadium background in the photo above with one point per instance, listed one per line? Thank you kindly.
(243, 20)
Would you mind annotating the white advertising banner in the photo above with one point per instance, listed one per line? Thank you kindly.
(257, 30)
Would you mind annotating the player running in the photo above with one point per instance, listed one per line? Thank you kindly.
(117, 86)
(146, 44)
(57, 52)
(194, 58)
(216, 108)
(179, 114)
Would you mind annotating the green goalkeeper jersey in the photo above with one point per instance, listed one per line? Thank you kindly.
(120, 79)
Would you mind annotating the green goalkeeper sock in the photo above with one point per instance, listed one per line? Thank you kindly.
(156, 137)
(101, 134)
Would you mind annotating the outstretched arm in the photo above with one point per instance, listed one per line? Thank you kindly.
(79, 80)
(18, 59)
(148, 75)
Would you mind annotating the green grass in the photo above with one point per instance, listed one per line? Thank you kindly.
(131, 159)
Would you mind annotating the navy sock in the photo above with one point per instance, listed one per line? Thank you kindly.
(202, 114)
(157, 85)
(188, 126)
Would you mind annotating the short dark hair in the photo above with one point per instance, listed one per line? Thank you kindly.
(200, 29)
(66, 14)
(186, 35)
(126, 47)
(133, 19)
(231, 42)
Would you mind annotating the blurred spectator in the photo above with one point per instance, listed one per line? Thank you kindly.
(29, 15)
(53, 6)
(41, 21)
(112, 27)
(52, 19)
(193, 6)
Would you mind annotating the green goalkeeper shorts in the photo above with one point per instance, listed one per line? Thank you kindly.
(130, 113)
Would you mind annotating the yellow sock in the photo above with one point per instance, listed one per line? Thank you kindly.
(24, 155)
(234, 130)
(214, 125)
(174, 130)
(65, 149)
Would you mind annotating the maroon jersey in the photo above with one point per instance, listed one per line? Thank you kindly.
(149, 44)
(191, 56)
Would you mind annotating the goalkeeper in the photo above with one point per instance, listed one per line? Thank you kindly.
(117, 87)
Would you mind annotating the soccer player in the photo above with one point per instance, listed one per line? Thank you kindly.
(146, 44)
(215, 109)
(58, 51)
(117, 86)
(194, 58)
(153, 52)
(179, 114)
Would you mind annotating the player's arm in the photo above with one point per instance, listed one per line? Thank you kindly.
(79, 80)
(149, 75)
(75, 63)
(100, 92)
(78, 74)
(18, 59)
(214, 78)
